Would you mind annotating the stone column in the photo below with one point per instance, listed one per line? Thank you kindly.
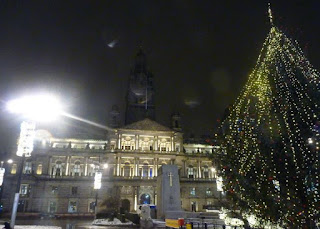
(119, 141)
(183, 168)
(154, 168)
(67, 166)
(156, 142)
(199, 169)
(86, 167)
(134, 167)
(118, 165)
(137, 141)
(139, 175)
(157, 166)
(50, 167)
(172, 149)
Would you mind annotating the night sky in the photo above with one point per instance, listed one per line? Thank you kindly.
(200, 53)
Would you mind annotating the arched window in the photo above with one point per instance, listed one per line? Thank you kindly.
(14, 169)
(77, 168)
(126, 169)
(27, 166)
(39, 169)
(58, 168)
(190, 172)
(205, 171)
(145, 199)
(145, 169)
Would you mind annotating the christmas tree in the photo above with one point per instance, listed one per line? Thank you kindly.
(270, 138)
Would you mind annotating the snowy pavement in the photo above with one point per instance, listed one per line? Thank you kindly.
(35, 227)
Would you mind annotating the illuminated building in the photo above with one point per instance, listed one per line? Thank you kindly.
(60, 175)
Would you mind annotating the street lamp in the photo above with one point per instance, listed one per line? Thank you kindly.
(97, 184)
(3, 170)
(37, 108)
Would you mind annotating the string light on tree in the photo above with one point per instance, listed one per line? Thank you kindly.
(270, 166)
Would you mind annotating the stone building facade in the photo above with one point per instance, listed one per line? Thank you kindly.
(59, 176)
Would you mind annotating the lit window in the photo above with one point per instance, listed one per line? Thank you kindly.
(39, 169)
(52, 206)
(27, 167)
(193, 191)
(92, 205)
(72, 207)
(145, 169)
(24, 189)
(208, 192)
(14, 169)
(205, 172)
(54, 189)
(77, 168)
(127, 169)
(58, 168)
(190, 172)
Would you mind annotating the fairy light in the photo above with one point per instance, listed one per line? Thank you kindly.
(271, 138)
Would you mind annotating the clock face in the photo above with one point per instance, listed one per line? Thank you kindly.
(138, 89)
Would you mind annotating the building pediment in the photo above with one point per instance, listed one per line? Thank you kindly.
(146, 124)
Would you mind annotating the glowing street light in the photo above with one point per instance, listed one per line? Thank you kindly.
(2, 171)
(97, 183)
(38, 108)
(97, 180)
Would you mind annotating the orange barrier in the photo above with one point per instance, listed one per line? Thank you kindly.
(174, 223)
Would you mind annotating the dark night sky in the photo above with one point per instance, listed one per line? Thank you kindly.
(197, 50)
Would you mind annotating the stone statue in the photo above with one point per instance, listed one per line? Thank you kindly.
(146, 221)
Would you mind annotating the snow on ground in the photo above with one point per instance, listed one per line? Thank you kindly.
(35, 227)
(158, 222)
(106, 222)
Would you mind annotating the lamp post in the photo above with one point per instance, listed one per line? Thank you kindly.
(2, 173)
(97, 185)
(33, 109)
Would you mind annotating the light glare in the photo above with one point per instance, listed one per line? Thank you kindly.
(38, 108)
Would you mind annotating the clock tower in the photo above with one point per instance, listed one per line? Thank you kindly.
(140, 94)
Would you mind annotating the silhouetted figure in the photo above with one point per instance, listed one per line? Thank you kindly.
(7, 225)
